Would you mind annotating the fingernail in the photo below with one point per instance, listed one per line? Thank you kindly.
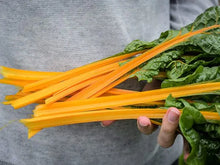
(143, 121)
(173, 115)
(186, 156)
(102, 125)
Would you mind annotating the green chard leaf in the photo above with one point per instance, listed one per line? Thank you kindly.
(172, 102)
(201, 74)
(202, 135)
(189, 117)
(138, 45)
(211, 130)
(157, 64)
(218, 108)
(187, 64)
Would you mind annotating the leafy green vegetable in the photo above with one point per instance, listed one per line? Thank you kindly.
(154, 66)
(187, 64)
(172, 102)
(218, 108)
(203, 136)
(138, 45)
(201, 74)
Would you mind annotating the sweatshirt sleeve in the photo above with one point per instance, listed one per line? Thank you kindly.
(183, 12)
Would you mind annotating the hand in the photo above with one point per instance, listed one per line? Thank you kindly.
(170, 122)
(167, 132)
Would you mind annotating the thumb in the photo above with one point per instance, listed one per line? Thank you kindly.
(170, 123)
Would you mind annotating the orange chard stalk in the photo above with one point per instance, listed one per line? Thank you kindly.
(19, 74)
(61, 94)
(126, 99)
(104, 90)
(34, 125)
(19, 83)
(46, 92)
(76, 71)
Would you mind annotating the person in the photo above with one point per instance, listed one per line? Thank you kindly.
(59, 35)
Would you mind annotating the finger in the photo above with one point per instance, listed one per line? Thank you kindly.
(144, 125)
(186, 150)
(106, 123)
(155, 84)
(170, 123)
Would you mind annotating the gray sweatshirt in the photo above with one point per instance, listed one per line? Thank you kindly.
(57, 35)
